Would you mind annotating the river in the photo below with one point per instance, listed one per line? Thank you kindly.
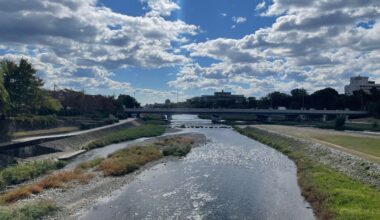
(231, 177)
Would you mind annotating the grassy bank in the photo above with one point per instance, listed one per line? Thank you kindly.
(130, 159)
(366, 145)
(146, 130)
(56, 180)
(19, 173)
(36, 210)
(331, 194)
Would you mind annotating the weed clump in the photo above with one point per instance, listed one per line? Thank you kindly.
(32, 211)
(128, 160)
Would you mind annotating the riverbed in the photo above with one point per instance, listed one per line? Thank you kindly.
(230, 177)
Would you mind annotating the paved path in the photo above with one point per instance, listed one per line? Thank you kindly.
(70, 134)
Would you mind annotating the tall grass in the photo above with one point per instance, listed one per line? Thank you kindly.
(52, 181)
(126, 134)
(331, 194)
(19, 173)
(128, 160)
(32, 211)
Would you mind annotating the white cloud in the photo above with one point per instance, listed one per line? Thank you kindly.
(79, 43)
(161, 7)
(312, 44)
(260, 6)
(239, 20)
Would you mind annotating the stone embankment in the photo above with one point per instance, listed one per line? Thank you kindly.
(351, 165)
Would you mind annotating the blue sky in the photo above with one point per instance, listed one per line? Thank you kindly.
(158, 49)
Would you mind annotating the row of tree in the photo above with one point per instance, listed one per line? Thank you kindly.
(327, 98)
(21, 93)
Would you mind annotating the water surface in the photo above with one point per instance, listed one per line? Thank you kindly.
(231, 177)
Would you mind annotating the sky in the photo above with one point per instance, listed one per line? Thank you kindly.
(176, 49)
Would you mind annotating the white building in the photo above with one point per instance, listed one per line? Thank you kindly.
(360, 83)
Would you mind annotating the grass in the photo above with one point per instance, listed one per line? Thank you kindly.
(176, 146)
(331, 194)
(128, 160)
(19, 173)
(148, 130)
(365, 145)
(52, 181)
(90, 164)
(33, 211)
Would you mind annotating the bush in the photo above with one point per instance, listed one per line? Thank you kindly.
(35, 122)
(340, 121)
(22, 172)
(128, 160)
(178, 151)
(29, 212)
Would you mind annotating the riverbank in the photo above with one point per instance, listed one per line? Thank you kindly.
(81, 197)
(337, 185)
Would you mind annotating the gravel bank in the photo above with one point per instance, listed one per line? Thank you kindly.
(76, 199)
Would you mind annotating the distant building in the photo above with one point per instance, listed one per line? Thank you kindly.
(219, 97)
(360, 83)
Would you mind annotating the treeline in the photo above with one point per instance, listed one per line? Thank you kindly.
(21, 94)
(327, 98)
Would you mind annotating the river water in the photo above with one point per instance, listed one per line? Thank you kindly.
(231, 177)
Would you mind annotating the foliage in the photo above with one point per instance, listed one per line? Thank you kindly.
(90, 164)
(32, 211)
(56, 180)
(127, 134)
(4, 96)
(49, 105)
(128, 160)
(331, 194)
(23, 86)
(128, 101)
(19, 173)
(340, 121)
(36, 122)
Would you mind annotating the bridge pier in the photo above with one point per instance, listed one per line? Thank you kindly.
(302, 117)
(168, 117)
(324, 118)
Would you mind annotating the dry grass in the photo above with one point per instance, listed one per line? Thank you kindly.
(128, 160)
(53, 181)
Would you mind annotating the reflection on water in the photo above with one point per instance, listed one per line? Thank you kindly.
(231, 177)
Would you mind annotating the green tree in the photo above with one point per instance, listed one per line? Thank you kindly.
(4, 97)
(127, 101)
(23, 86)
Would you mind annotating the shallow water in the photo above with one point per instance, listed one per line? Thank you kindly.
(231, 177)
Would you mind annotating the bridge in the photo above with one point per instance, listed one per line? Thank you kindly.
(257, 112)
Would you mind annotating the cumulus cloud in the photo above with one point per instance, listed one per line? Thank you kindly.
(161, 7)
(312, 44)
(81, 43)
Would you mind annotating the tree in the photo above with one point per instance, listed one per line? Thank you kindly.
(340, 121)
(4, 97)
(23, 86)
(325, 98)
(298, 98)
(128, 101)
(49, 105)
(279, 99)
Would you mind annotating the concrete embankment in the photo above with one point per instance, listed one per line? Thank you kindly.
(77, 142)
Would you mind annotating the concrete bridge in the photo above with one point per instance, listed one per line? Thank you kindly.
(257, 112)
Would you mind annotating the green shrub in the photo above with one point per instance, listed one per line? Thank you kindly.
(28, 212)
(19, 173)
(340, 121)
(178, 151)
